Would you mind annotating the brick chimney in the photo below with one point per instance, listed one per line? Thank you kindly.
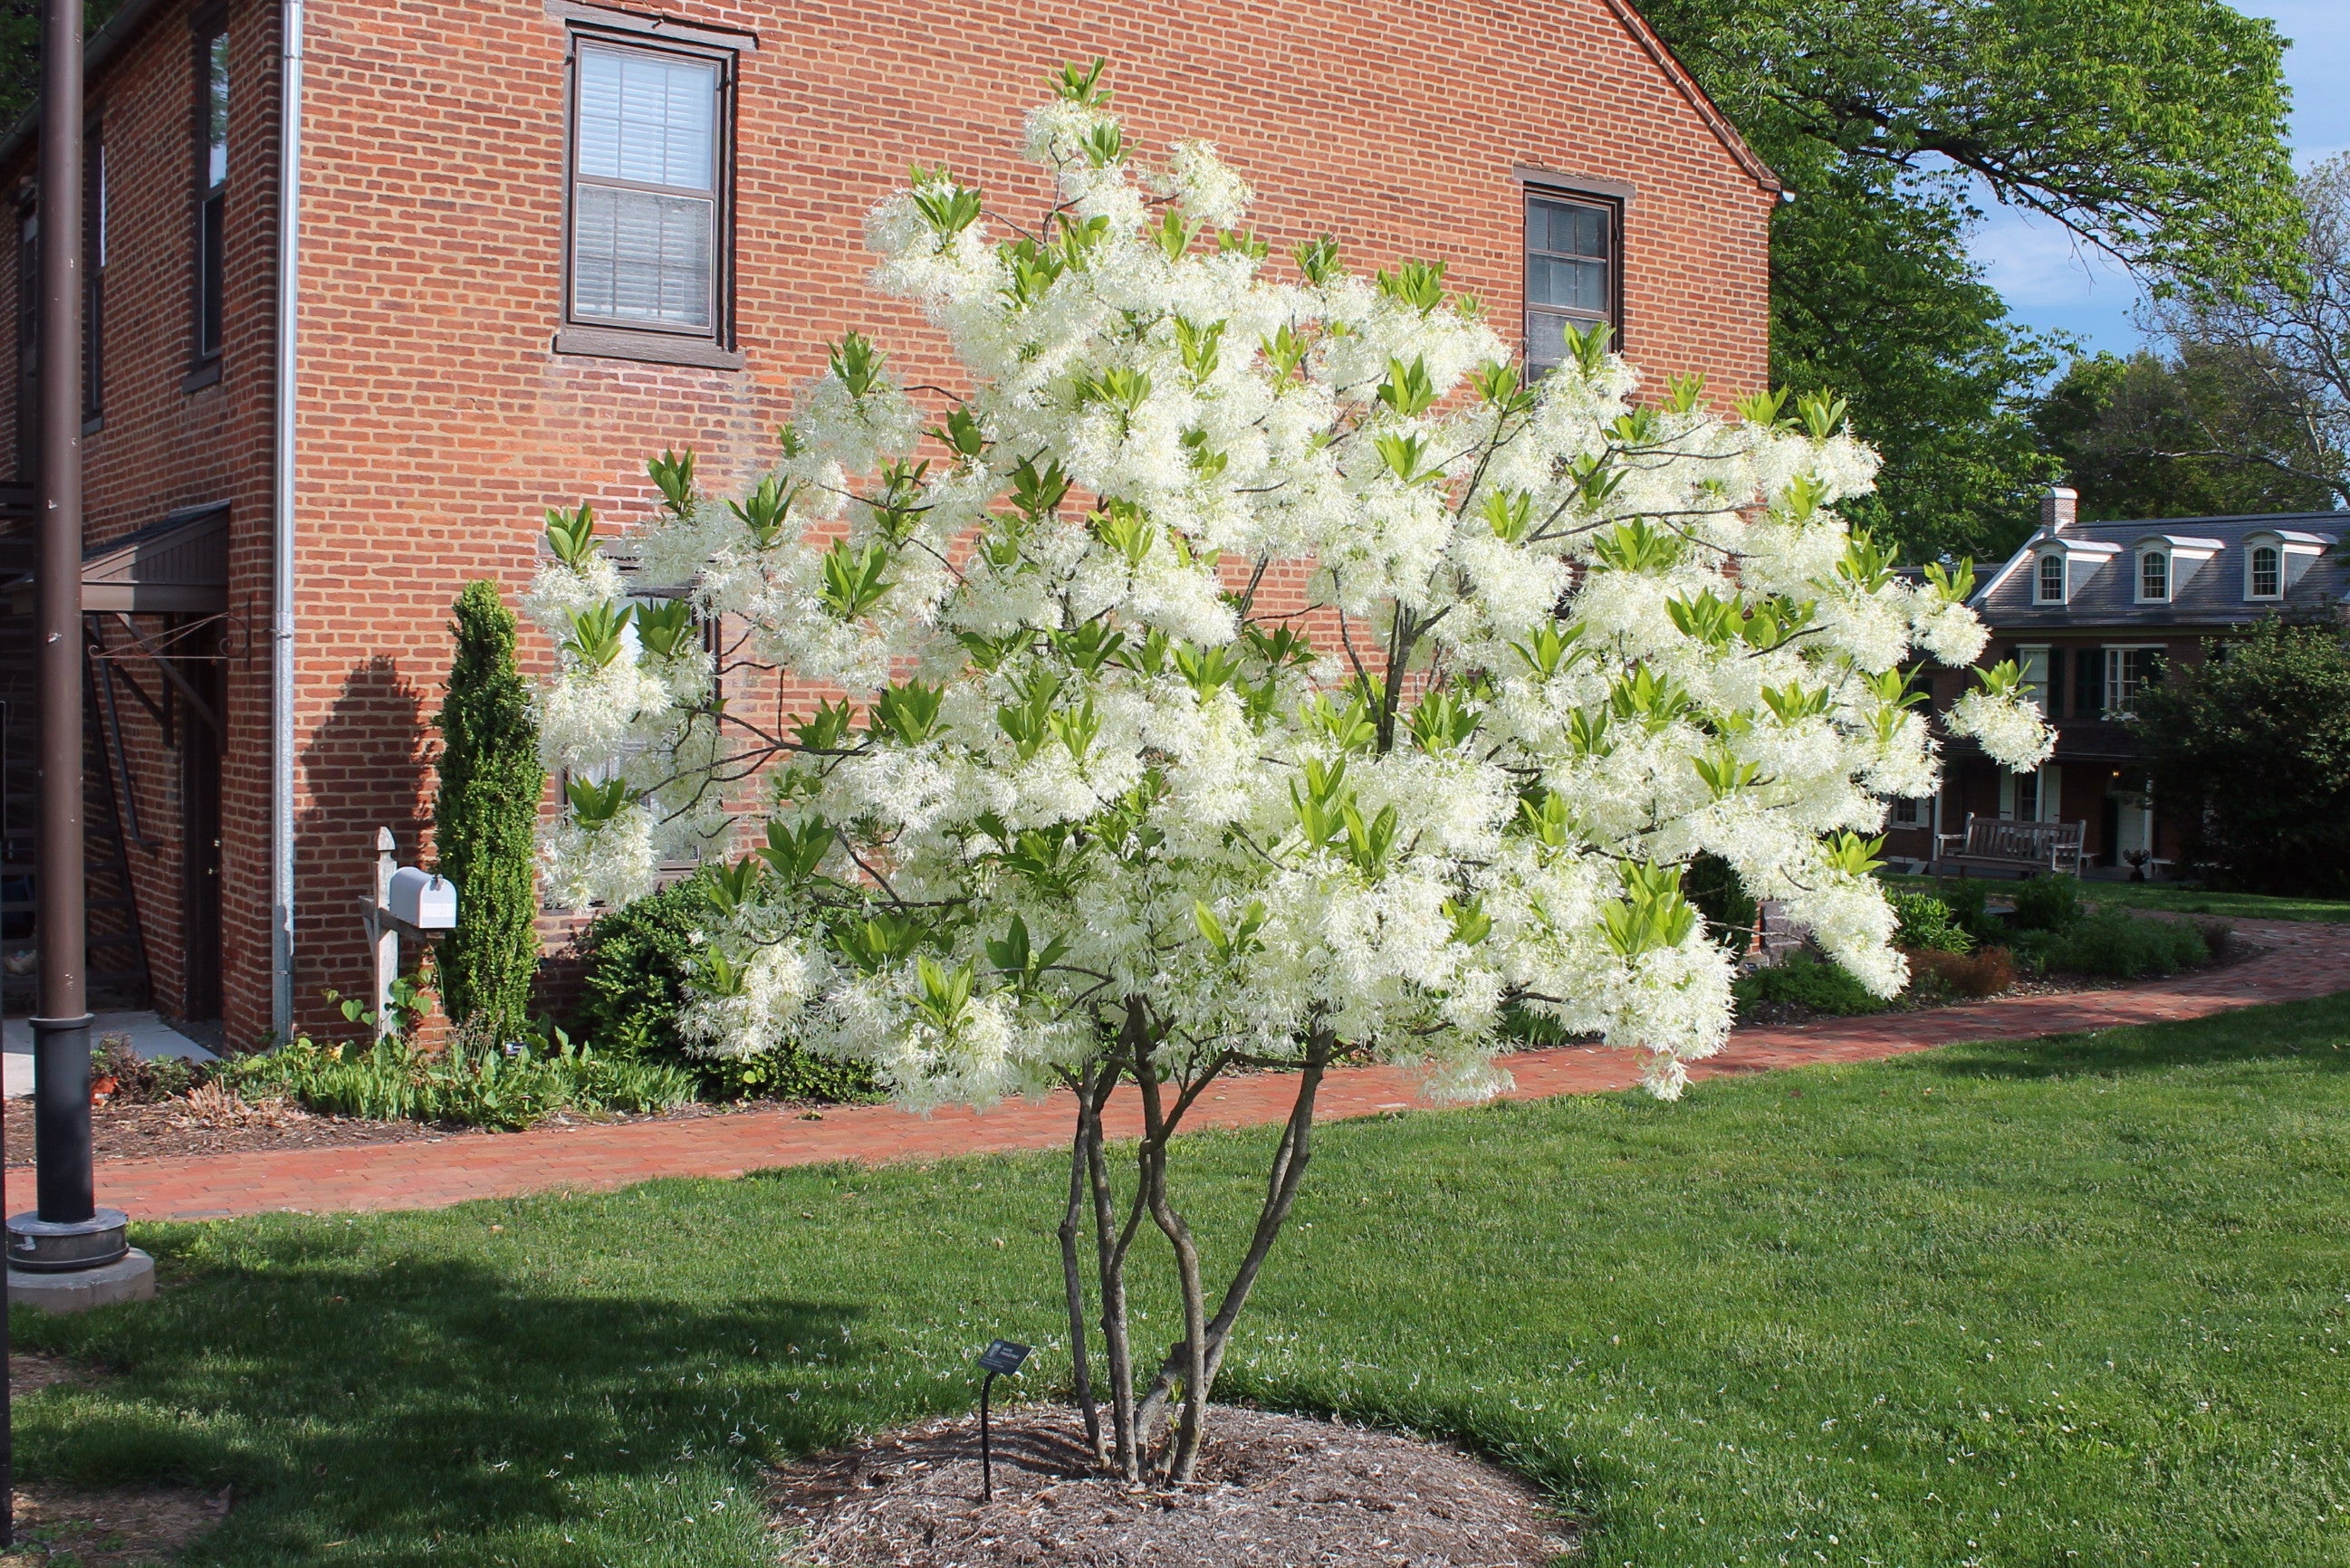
(2059, 509)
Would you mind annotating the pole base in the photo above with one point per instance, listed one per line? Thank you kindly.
(38, 1246)
(130, 1277)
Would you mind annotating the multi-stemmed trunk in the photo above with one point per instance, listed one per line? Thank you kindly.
(1131, 1445)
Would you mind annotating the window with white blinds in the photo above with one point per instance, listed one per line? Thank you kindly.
(647, 182)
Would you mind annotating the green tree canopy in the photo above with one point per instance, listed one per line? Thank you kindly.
(2251, 750)
(2114, 425)
(2152, 129)
(20, 51)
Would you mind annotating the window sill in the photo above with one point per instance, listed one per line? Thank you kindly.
(93, 424)
(202, 376)
(648, 347)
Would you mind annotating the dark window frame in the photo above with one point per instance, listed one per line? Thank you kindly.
(1612, 197)
(715, 347)
(208, 301)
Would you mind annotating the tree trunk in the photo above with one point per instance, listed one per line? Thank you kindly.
(1081, 1379)
(1288, 1172)
(1183, 1452)
(1111, 1246)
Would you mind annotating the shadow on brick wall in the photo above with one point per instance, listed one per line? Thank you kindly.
(368, 764)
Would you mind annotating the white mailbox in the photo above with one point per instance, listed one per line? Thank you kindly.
(422, 901)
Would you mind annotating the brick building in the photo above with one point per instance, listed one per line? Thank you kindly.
(535, 240)
(2090, 612)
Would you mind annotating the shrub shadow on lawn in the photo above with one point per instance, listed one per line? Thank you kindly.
(2314, 1035)
(431, 1396)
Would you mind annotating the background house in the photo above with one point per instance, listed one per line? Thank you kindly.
(2093, 611)
(538, 240)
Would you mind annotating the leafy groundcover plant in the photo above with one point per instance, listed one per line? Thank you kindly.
(1108, 799)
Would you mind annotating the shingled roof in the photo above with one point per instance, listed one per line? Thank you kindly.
(2208, 576)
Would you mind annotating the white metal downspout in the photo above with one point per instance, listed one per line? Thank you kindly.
(281, 539)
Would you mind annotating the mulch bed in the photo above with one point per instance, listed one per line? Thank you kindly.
(165, 1130)
(110, 1528)
(1274, 1492)
(2236, 949)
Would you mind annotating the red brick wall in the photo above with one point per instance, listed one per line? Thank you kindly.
(435, 425)
(164, 444)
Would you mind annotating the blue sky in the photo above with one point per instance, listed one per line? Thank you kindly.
(2050, 282)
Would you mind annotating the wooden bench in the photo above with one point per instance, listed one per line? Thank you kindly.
(2026, 847)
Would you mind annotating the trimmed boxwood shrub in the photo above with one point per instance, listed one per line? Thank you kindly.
(639, 959)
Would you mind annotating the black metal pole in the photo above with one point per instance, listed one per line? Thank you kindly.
(986, 1459)
(61, 1027)
(61, 1031)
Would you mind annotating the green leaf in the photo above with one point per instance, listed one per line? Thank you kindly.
(856, 364)
(908, 713)
(672, 475)
(1418, 285)
(853, 579)
(1407, 390)
(947, 208)
(594, 803)
(598, 633)
(571, 535)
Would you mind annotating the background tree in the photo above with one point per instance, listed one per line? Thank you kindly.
(2284, 406)
(2250, 749)
(1095, 810)
(485, 821)
(2151, 129)
(20, 50)
(2113, 424)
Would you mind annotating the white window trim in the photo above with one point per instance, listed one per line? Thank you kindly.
(2040, 579)
(2047, 794)
(2106, 707)
(2252, 549)
(2025, 655)
(2169, 578)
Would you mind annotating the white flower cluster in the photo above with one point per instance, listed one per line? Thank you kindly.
(1088, 777)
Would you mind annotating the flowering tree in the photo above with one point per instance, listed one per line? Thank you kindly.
(1107, 799)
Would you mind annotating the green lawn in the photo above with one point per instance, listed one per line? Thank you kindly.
(2078, 1301)
(2198, 901)
(2186, 900)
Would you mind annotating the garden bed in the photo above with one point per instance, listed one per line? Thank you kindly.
(167, 1130)
(1274, 1490)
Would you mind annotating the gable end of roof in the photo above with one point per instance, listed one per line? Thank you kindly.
(1686, 84)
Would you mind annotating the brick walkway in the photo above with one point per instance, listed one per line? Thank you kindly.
(2304, 961)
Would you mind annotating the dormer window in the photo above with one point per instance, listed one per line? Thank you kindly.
(2050, 589)
(2264, 573)
(2154, 576)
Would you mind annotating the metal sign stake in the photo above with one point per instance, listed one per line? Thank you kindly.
(1001, 1357)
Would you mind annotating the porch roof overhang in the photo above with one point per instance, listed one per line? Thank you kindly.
(176, 566)
(179, 563)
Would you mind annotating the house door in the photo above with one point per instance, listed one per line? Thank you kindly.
(2133, 827)
(200, 798)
